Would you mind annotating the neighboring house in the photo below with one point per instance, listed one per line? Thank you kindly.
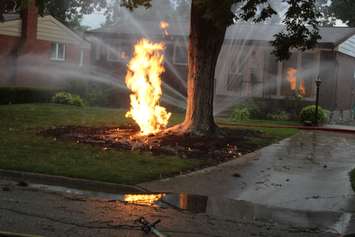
(246, 68)
(32, 48)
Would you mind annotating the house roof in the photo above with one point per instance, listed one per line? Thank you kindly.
(241, 31)
(48, 29)
(266, 32)
(147, 28)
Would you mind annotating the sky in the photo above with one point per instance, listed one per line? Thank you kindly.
(96, 19)
(93, 20)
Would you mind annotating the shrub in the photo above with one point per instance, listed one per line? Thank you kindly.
(240, 114)
(253, 107)
(23, 95)
(77, 101)
(307, 114)
(66, 98)
(352, 179)
(281, 116)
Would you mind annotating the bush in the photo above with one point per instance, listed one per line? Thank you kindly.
(240, 114)
(307, 114)
(23, 95)
(352, 179)
(253, 108)
(281, 116)
(66, 98)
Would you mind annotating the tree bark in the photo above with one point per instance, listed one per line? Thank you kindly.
(206, 40)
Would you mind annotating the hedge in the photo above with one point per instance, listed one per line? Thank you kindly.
(23, 95)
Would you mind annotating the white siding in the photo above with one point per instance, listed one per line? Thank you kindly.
(50, 29)
(348, 47)
(11, 28)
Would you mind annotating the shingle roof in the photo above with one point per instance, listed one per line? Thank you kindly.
(11, 17)
(241, 31)
(149, 28)
(266, 32)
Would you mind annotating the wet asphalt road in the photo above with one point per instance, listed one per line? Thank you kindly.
(46, 213)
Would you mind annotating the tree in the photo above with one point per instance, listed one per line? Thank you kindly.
(209, 22)
(337, 10)
(343, 10)
(69, 12)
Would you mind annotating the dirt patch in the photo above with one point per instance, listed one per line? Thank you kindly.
(233, 144)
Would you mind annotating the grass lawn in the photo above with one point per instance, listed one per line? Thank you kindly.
(23, 149)
(261, 122)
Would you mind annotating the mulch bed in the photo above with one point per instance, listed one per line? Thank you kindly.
(233, 144)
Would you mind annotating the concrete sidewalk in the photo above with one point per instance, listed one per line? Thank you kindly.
(306, 172)
(341, 127)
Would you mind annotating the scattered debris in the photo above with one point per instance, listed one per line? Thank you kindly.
(22, 184)
(6, 189)
(276, 185)
(231, 145)
(313, 197)
(148, 228)
(237, 175)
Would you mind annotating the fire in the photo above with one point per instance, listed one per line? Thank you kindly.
(164, 26)
(124, 55)
(302, 89)
(292, 78)
(143, 79)
(144, 199)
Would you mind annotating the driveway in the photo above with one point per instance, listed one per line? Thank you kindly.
(308, 171)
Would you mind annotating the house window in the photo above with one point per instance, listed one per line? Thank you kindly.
(237, 80)
(271, 71)
(309, 73)
(180, 54)
(82, 54)
(235, 83)
(290, 75)
(119, 52)
(58, 52)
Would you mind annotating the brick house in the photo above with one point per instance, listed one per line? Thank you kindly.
(32, 47)
(246, 68)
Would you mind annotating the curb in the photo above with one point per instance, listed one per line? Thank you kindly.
(290, 126)
(75, 183)
(8, 234)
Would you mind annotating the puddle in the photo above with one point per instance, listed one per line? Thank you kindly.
(192, 203)
(222, 208)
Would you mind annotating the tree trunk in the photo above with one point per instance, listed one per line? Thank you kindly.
(206, 40)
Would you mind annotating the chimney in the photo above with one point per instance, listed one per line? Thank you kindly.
(29, 17)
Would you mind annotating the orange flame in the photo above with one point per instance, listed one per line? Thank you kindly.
(164, 26)
(124, 55)
(144, 199)
(143, 79)
(302, 89)
(292, 78)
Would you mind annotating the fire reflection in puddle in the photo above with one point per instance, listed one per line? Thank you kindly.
(143, 199)
(193, 203)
